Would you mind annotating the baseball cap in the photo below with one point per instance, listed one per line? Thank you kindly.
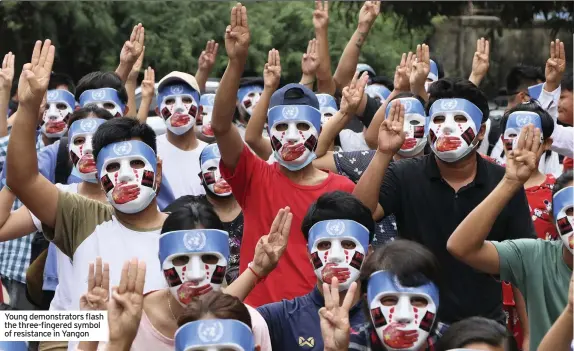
(176, 76)
(294, 94)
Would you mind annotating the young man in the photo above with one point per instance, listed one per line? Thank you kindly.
(338, 229)
(178, 103)
(261, 189)
(248, 96)
(430, 195)
(540, 269)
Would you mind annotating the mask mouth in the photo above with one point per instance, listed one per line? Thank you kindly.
(291, 152)
(188, 290)
(86, 164)
(331, 271)
(207, 130)
(508, 144)
(54, 127)
(125, 192)
(447, 143)
(179, 119)
(409, 143)
(397, 337)
(221, 187)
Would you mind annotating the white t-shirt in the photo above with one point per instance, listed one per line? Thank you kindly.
(352, 141)
(180, 167)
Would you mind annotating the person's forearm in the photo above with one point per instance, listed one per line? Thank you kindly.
(143, 111)
(201, 77)
(307, 80)
(476, 79)
(253, 133)
(329, 132)
(123, 71)
(368, 187)
(420, 91)
(88, 345)
(559, 337)
(242, 286)
(325, 82)
(131, 85)
(349, 59)
(226, 97)
(21, 159)
(520, 305)
(471, 233)
(119, 345)
(6, 203)
(12, 118)
(372, 133)
(4, 102)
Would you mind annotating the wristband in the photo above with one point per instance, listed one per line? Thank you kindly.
(259, 278)
(311, 82)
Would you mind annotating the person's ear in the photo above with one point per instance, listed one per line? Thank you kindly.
(482, 131)
(523, 97)
(126, 110)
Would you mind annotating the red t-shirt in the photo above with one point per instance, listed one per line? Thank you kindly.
(567, 163)
(261, 190)
(540, 202)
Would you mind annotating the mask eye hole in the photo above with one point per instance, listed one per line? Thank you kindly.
(209, 259)
(460, 119)
(328, 114)
(324, 245)
(512, 135)
(281, 127)
(212, 169)
(438, 120)
(180, 261)
(303, 127)
(137, 164)
(47, 107)
(204, 113)
(79, 141)
(61, 106)
(113, 167)
(348, 245)
(109, 106)
(251, 95)
(419, 301)
(186, 100)
(414, 122)
(569, 211)
(389, 300)
(170, 101)
(378, 99)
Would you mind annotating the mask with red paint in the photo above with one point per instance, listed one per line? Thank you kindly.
(193, 261)
(59, 107)
(80, 147)
(337, 248)
(402, 316)
(178, 105)
(517, 120)
(413, 126)
(453, 128)
(203, 120)
(248, 96)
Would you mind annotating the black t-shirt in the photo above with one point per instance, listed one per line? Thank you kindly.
(427, 210)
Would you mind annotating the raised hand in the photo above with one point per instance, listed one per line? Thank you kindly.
(7, 72)
(420, 66)
(133, 48)
(98, 294)
(272, 70)
(134, 73)
(270, 247)
(321, 14)
(310, 60)
(555, 65)
(125, 306)
(335, 326)
(207, 57)
(353, 94)
(521, 160)
(391, 134)
(368, 14)
(481, 59)
(35, 76)
(148, 83)
(237, 35)
(403, 73)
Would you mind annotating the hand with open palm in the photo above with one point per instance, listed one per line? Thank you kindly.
(310, 59)
(98, 294)
(321, 14)
(35, 75)
(521, 160)
(148, 83)
(335, 325)
(270, 247)
(7, 72)
(237, 34)
(481, 60)
(403, 73)
(555, 65)
(391, 134)
(133, 48)
(208, 56)
(272, 70)
(353, 94)
(420, 67)
(368, 14)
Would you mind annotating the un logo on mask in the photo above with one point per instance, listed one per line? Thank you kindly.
(216, 152)
(194, 241)
(335, 228)
(408, 104)
(522, 120)
(88, 125)
(210, 331)
(176, 89)
(52, 95)
(211, 99)
(290, 112)
(322, 100)
(449, 104)
(98, 95)
(123, 148)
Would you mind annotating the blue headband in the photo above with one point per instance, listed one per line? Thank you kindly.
(456, 105)
(193, 241)
(412, 106)
(519, 119)
(57, 95)
(126, 149)
(384, 281)
(535, 91)
(433, 74)
(378, 89)
(335, 228)
(86, 125)
(214, 332)
(176, 89)
(326, 100)
(209, 152)
(207, 100)
(13, 346)
(288, 113)
(246, 89)
(95, 96)
(562, 199)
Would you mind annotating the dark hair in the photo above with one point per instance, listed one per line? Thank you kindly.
(521, 77)
(89, 110)
(438, 67)
(473, 330)
(99, 80)
(407, 94)
(338, 205)
(57, 79)
(189, 212)
(216, 304)
(545, 119)
(383, 80)
(567, 83)
(458, 88)
(122, 129)
(562, 181)
(14, 88)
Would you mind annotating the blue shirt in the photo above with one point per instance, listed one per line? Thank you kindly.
(295, 324)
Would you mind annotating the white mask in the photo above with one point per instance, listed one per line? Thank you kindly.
(80, 147)
(453, 128)
(517, 120)
(378, 92)
(194, 261)
(60, 106)
(338, 249)
(214, 335)
(402, 316)
(127, 173)
(562, 207)
(248, 96)
(210, 174)
(327, 106)
(413, 126)
(203, 121)
(106, 98)
(178, 105)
